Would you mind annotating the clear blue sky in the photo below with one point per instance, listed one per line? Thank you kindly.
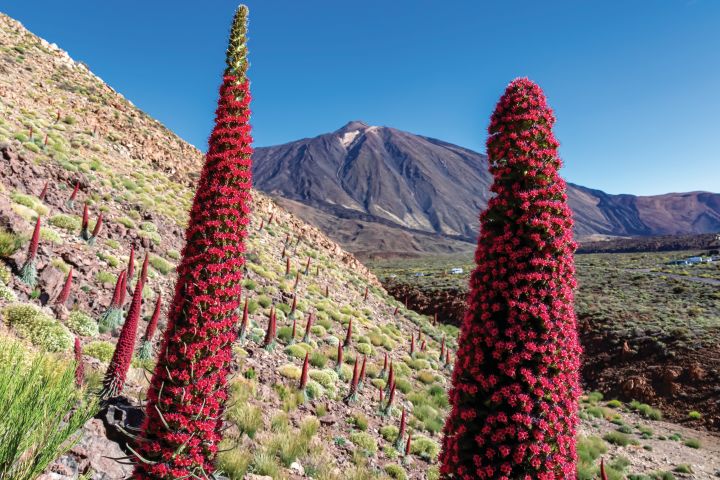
(635, 84)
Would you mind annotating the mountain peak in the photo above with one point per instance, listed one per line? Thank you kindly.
(353, 125)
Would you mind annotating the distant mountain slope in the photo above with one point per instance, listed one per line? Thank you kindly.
(392, 181)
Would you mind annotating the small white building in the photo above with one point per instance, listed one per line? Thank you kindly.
(456, 271)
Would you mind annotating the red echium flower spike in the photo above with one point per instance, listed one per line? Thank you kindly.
(397, 309)
(293, 307)
(348, 335)
(245, 321)
(84, 232)
(408, 445)
(423, 346)
(262, 224)
(327, 291)
(44, 191)
(307, 266)
(182, 431)
(521, 290)
(361, 379)
(385, 365)
(269, 341)
(603, 475)
(304, 373)
(28, 271)
(338, 364)
(96, 230)
(282, 255)
(115, 376)
(442, 348)
(124, 290)
(365, 296)
(352, 394)
(71, 201)
(144, 269)
(145, 351)
(79, 366)
(391, 377)
(297, 280)
(287, 267)
(112, 317)
(65, 292)
(308, 326)
(401, 431)
(131, 262)
(390, 399)
(412, 345)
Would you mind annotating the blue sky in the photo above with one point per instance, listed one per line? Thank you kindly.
(635, 84)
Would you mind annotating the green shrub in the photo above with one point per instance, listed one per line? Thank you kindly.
(161, 265)
(42, 330)
(264, 301)
(101, 350)
(30, 202)
(105, 277)
(692, 443)
(389, 432)
(693, 415)
(619, 439)
(364, 442)
(433, 473)
(175, 255)
(290, 371)
(318, 359)
(646, 410)
(234, 462)
(359, 420)
(81, 323)
(42, 410)
(298, 350)
(7, 294)
(9, 243)
(148, 227)
(614, 404)
(247, 418)
(71, 223)
(395, 471)
(109, 259)
(5, 274)
(425, 447)
(127, 222)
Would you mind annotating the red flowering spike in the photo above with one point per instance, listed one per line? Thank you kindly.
(270, 220)
(31, 133)
(186, 400)
(385, 362)
(245, 321)
(308, 326)
(352, 394)
(381, 395)
(348, 335)
(365, 297)
(412, 345)
(262, 224)
(44, 191)
(521, 291)
(304, 374)
(603, 475)
(45, 142)
(338, 365)
(327, 291)
(294, 305)
(123, 291)
(282, 255)
(407, 445)
(287, 266)
(270, 332)
(442, 348)
(297, 280)
(65, 292)
(362, 371)
(423, 346)
(34, 241)
(401, 430)
(28, 271)
(79, 366)
(96, 230)
(397, 309)
(391, 396)
(115, 302)
(294, 330)
(57, 118)
(131, 262)
(307, 266)
(84, 232)
(144, 269)
(391, 378)
(152, 325)
(115, 376)
(74, 193)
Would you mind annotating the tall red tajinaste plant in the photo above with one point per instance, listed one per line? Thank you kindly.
(28, 271)
(146, 349)
(186, 400)
(65, 292)
(112, 317)
(116, 374)
(515, 384)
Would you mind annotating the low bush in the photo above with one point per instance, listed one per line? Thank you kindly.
(82, 324)
(161, 265)
(395, 471)
(71, 223)
(41, 329)
(9, 243)
(101, 350)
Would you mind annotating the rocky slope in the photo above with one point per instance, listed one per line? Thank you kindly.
(139, 175)
(379, 189)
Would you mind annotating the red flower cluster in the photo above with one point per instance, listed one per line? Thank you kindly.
(186, 400)
(115, 376)
(65, 292)
(515, 381)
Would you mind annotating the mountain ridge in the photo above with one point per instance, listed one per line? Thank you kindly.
(420, 185)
